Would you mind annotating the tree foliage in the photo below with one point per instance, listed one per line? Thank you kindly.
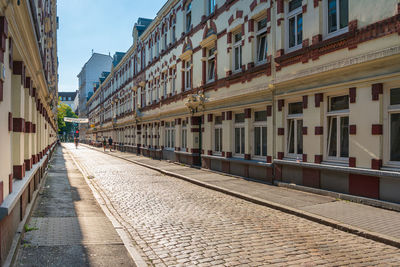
(65, 111)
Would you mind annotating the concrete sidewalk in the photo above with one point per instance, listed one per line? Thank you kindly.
(367, 221)
(68, 227)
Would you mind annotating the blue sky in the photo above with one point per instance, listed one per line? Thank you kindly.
(102, 25)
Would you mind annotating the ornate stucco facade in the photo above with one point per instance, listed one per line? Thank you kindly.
(304, 92)
(28, 106)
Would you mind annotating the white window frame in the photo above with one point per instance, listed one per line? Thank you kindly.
(184, 136)
(326, 22)
(259, 124)
(260, 33)
(188, 76)
(389, 110)
(209, 60)
(295, 118)
(293, 14)
(338, 114)
(173, 81)
(173, 31)
(239, 125)
(188, 11)
(165, 37)
(169, 135)
(237, 46)
(219, 128)
(165, 83)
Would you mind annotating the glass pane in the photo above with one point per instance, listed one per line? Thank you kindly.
(339, 103)
(260, 115)
(296, 108)
(291, 137)
(262, 24)
(294, 4)
(218, 119)
(344, 137)
(236, 58)
(242, 140)
(220, 139)
(216, 139)
(344, 13)
(257, 141)
(395, 96)
(237, 140)
(239, 118)
(261, 51)
(211, 70)
(299, 29)
(332, 147)
(292, 41)
(264, 141)
(299, 136)
(395, 137)
(238, 37)
(332, 13)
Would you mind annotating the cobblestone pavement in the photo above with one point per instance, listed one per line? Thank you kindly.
(174, 222)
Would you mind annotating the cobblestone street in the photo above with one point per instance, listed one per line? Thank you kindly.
(174, 222)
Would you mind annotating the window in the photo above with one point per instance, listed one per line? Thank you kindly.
(210, 6)
(173, 81)
(184, 135)
(151, 52)
(173, 31)
(394, 124)
(218, 134)
(170, 135)
(237, 52)
(211, 65)
(165, 38)
(338, 15)
(338, 127)
(165, 81)
(261, 40)
(188, 78)
(188, 17)
(157, 46)
(239, 134)
(260, 133)
(295, 24)
(295, 129)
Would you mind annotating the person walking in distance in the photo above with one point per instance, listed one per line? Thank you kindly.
(104, 144)
(76, 142)
(110, 143)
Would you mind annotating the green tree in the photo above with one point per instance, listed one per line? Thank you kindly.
(65, 111)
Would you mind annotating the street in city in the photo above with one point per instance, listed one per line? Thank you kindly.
(174, 222)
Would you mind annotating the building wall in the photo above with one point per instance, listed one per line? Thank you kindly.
(355, 65)
(28, 104)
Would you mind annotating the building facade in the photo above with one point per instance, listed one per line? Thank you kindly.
(68, 98)
(28, 107)
(88, 76)
(300, 91)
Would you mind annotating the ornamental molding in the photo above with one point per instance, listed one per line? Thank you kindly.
(387, 52)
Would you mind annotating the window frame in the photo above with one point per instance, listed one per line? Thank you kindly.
(218, 127)
(169, 137)
(339, 114)
(259, 34)
(184, 135)
(339, 30)
(237, 45)
(242, 141)
(295, 118)
(211, 58)
(188, 13)
(389, 110)
(188, 75)
(210, 7)
(293, 14)
(259, 124)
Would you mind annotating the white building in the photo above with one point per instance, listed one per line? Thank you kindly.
(89, 75)
(68, 98)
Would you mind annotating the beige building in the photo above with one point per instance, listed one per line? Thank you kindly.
(303, 92)
(28, 106)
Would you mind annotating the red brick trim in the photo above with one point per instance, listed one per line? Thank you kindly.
(362, 185)
(28, 164)
(352, 162)
(377, 129)
(318, 159)
(247, 113)
(19, 171)
(376, 164)
(316, 2)
(281, 103)
(280, 6)
(319, 97)
(269, 111)
(353, 94)
(353, 129)
(209, 152)
(228, 154)
(10, 122)
(209, 117)
(304, 130)
(304, 8)
(18, 125)
(304, 157)
(376, 90)
(229, 115)
(10, 183)
(280, 155)
(305, 101)
(319, 130)
(247, 156)
(269, 159)
(281, 131)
